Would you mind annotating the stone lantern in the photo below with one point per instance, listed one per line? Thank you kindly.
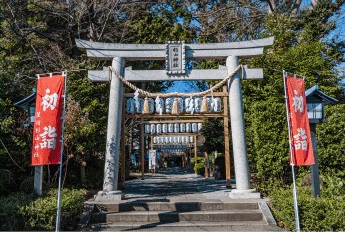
(29, 103)
(316, 101)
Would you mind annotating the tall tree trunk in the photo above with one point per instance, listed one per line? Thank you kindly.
(83, 173)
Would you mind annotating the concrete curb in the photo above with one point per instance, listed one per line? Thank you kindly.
(266, 212)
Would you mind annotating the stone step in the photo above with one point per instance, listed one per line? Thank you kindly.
(185, 226)
(178, 216)
(175, 206)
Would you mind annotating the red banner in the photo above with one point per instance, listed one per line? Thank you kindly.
(301, 144)
(46, 147)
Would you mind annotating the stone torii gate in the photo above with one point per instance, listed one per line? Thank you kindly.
(119, 53)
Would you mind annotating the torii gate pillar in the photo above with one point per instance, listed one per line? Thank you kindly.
(238, 134)
(112, 153)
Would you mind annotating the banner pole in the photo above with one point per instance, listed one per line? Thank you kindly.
(58, 212)
(295, 203)
(292, 162)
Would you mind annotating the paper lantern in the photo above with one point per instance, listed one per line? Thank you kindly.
(197, 104)
(151, 105)
(153, 129)
(147, 129)
(189, 104)
(159, 128)
(165, 128)
(159, 105)
(130, 108)
(199, 126)
(179, 139)
(182, 127)
(161, 139)
(171, 128)
(168, 105)
(176, 128)
(194, 127)
(217, 107)
(140, 106)
(209, 105)
(180, 104)
(188, 127)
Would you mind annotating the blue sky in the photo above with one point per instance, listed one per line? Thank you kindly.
(181, 87)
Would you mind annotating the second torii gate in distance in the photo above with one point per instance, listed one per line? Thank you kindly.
(119, 53)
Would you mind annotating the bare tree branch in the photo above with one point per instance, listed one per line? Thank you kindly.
(313, 4)
(295, 8)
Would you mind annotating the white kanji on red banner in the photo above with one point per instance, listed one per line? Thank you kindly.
(302, 149)
(48, 137)
(46, 147)
(300, 140)
(49, 101)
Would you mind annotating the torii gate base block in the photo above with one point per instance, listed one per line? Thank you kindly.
(244, 194)
(109, 196)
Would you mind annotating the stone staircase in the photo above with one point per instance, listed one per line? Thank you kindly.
(140, 214)
(175, 200)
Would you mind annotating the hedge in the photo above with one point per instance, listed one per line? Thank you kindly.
(324, 213)
(22, 212)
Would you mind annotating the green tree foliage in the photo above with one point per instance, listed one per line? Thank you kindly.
(331, 142)
(267, 143)
(38, 37)
(163, 22)
(213, 130)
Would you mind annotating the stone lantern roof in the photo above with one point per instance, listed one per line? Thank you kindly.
(314, 94)
(28, 101)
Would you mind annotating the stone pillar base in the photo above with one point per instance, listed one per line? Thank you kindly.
(109, 196)
(244, 194)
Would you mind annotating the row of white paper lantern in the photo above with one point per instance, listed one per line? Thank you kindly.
(173, 139)
(160, 105)
(174, 147)
(172, 128)
(174, 152)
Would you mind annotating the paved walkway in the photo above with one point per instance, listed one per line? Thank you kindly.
(174, 183)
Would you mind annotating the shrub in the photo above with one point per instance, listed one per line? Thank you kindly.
(41, 214)
(10, 215)
(316, 214)
(22, 212)
(199, 168)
